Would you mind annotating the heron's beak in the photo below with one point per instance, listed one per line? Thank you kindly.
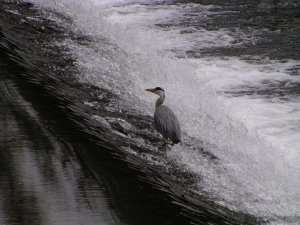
(150, 89)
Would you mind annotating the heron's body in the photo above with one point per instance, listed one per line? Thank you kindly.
(167, 123)
(165, 119)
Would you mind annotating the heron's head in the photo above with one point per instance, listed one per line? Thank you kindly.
(158, 90)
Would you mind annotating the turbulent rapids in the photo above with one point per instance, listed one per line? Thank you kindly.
(238, 106)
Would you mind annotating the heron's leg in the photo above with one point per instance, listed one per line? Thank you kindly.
(166, 145)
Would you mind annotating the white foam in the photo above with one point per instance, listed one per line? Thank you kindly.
(257, 139)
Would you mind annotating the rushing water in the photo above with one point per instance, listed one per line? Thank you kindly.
(230, 71)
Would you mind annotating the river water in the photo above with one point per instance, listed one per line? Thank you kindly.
(78, 144)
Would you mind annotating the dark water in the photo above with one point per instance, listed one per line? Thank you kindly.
(58, 166)
(272, 26)
(43, 181)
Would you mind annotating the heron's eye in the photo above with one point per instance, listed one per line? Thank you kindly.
(159, 88)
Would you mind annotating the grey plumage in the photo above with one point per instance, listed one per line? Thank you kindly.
(165, 120)
(167, 123)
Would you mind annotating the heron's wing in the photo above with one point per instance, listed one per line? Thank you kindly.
(167, 123)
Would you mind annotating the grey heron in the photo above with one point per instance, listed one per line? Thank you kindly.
(165, 120)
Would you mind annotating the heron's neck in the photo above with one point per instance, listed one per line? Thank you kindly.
(160, 100)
